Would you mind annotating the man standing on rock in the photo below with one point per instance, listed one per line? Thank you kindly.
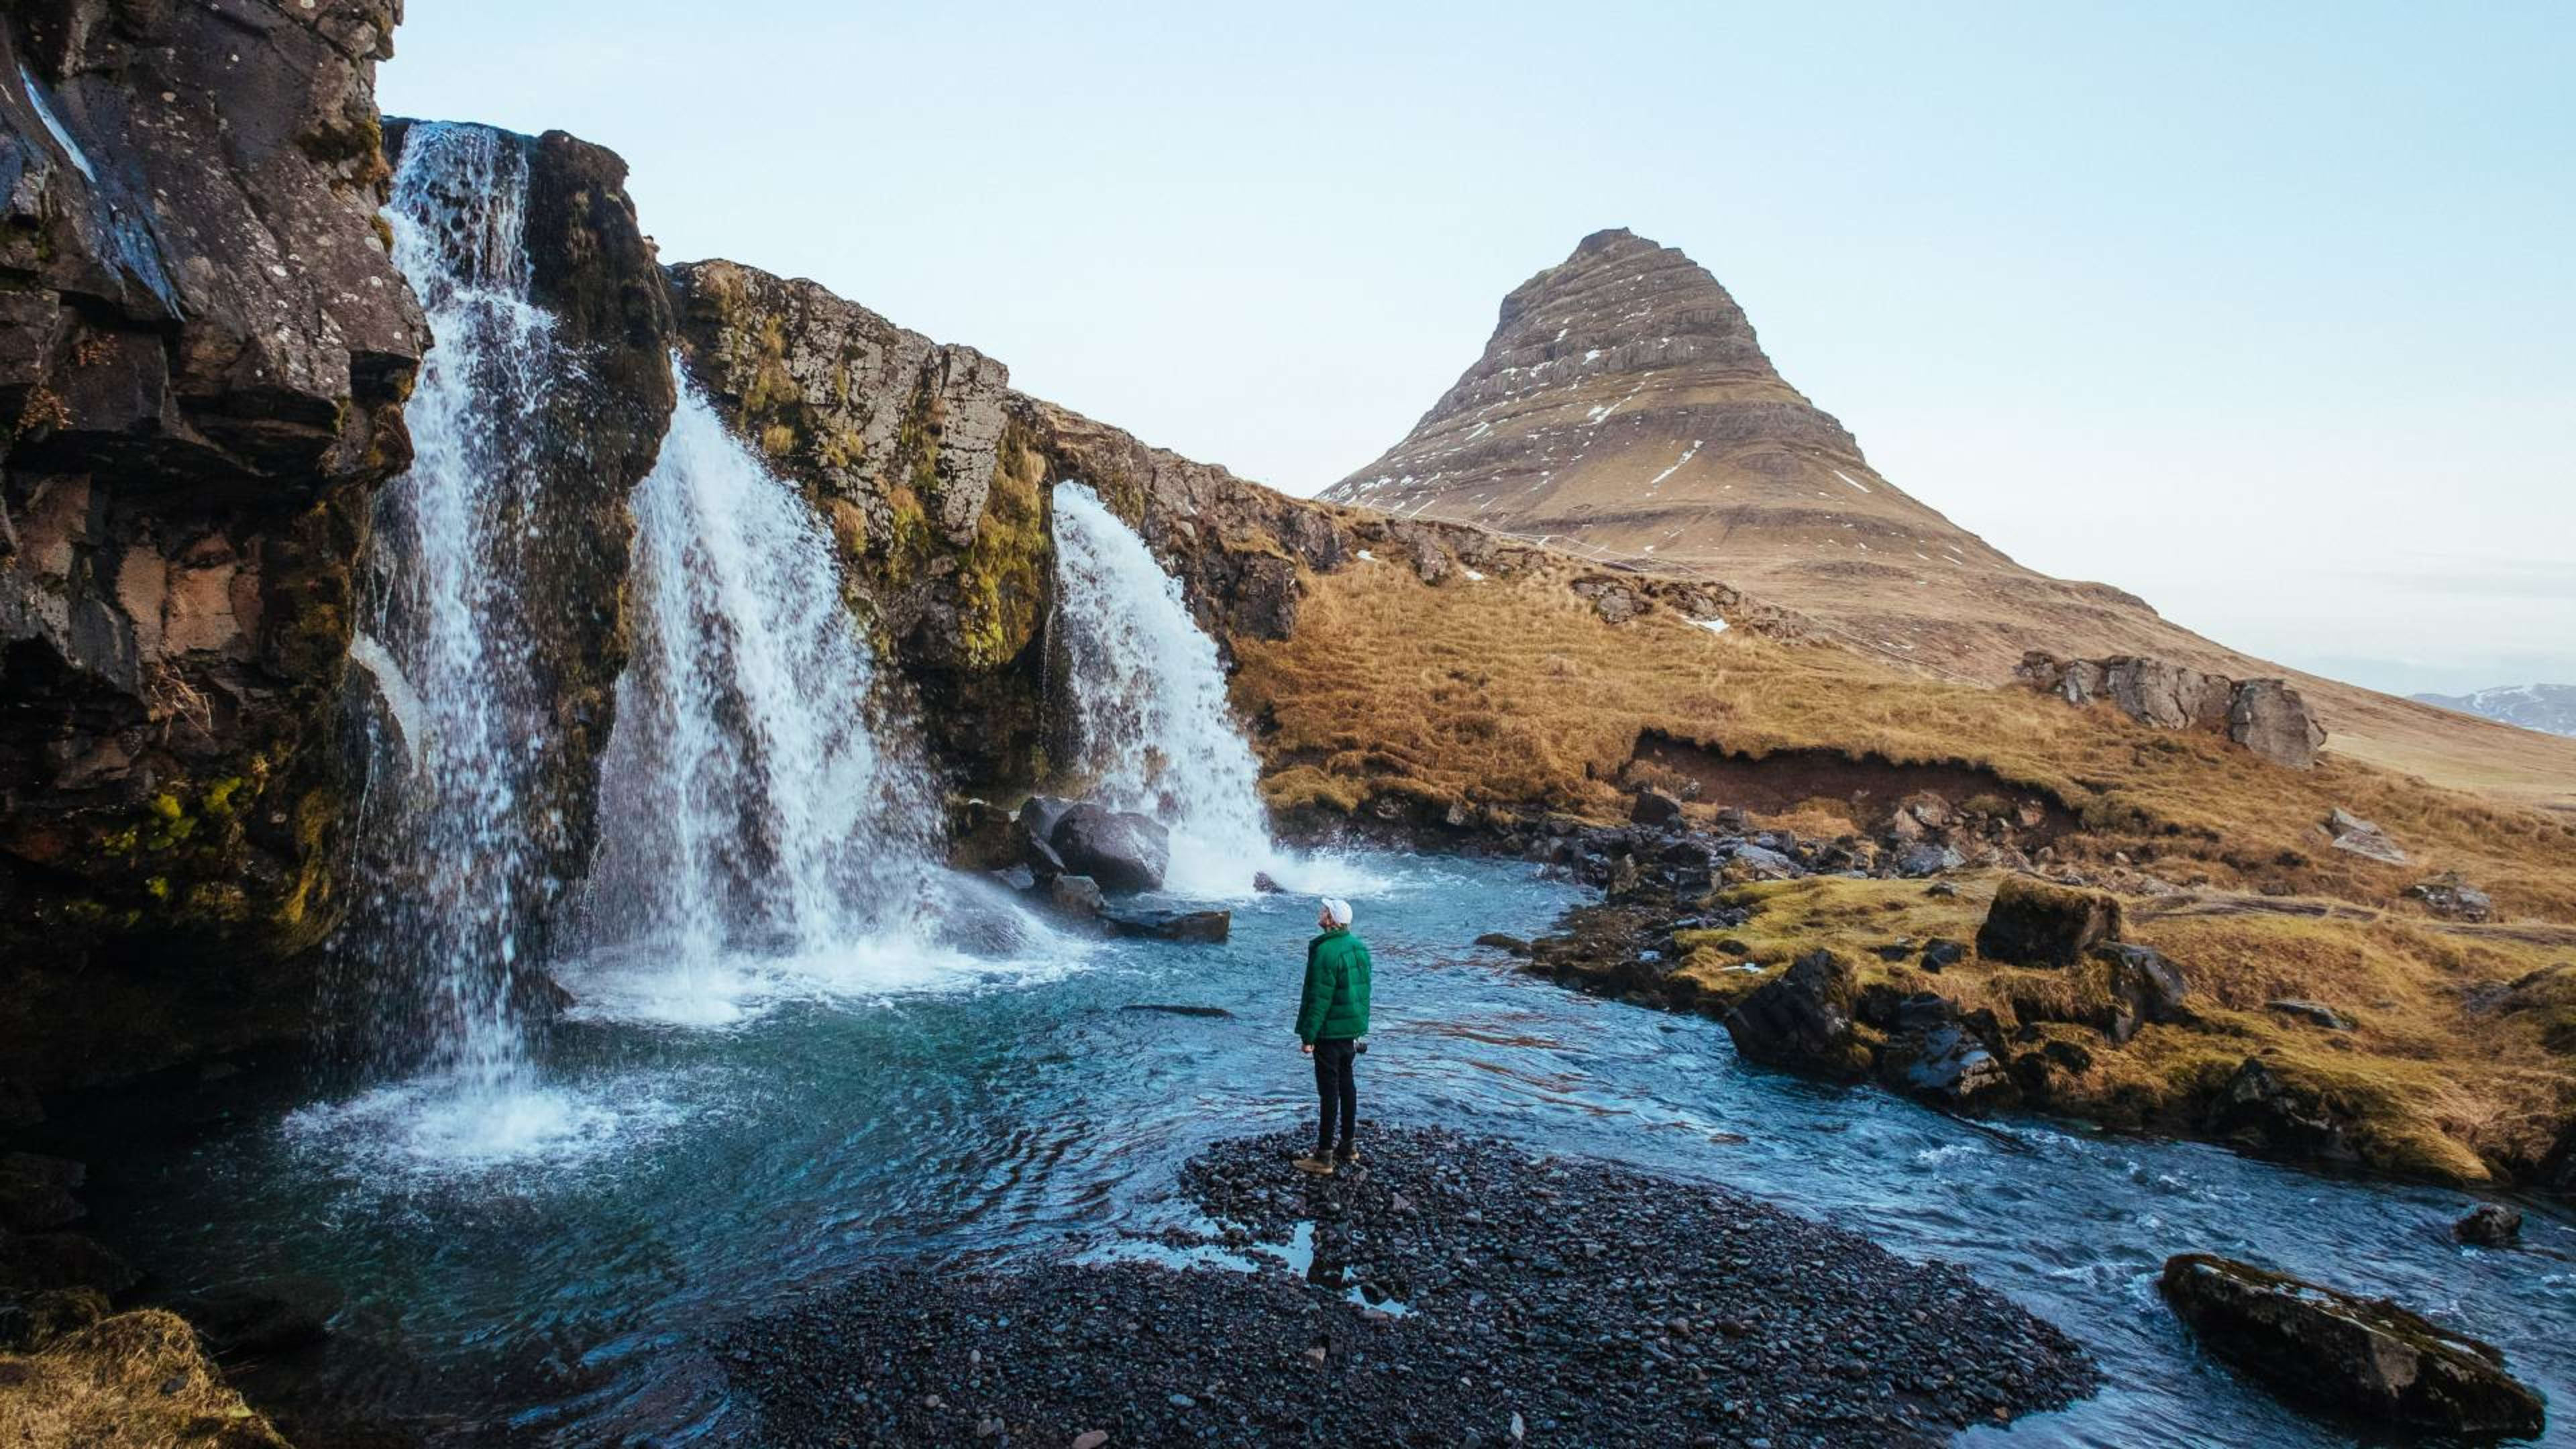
(1332, 1016)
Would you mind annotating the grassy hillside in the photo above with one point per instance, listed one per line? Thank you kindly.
(1393, 692)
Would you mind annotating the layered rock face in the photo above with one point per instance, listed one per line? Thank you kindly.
(935, 476)
(937, 502)
(204, 352)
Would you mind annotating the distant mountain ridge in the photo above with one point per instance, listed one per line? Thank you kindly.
(2548, 708)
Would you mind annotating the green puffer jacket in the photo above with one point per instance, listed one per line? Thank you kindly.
(1335, 1006)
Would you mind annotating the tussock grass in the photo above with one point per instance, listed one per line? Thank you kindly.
(2436, 1089)
(1514, 690)
(134, 1381)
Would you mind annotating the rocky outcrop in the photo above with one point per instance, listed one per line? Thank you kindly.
(576, 447)
(2034, 922)
(2262, 1110)
(2266, 716)
(204, 352)
(2363, 1357)
(2489, 1225)
(1802, 1020)
(2453, 899)
(2353, 835)
(937, 501)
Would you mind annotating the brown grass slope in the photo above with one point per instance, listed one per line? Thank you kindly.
(1515, 688)
(2446, 1074)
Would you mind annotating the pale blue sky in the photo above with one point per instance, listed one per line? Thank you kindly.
(2266, 313)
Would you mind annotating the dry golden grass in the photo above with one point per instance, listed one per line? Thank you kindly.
(134, 1381)
(2437, 1089)
(1513, 691)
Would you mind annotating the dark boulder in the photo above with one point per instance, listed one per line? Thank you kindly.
(2261, 1109)
(2039, 923)
(1508, 945)
(1167, 1008)
(2138, 986)
(262, 1316)
(1122, 851)
(37, 1192)
(1940, 954)
(1207, 927)
(1802, 1020)
(1938, 1054)
(1079, 894)
(2364, 1357)
(2489, 1225)
(1654, 807)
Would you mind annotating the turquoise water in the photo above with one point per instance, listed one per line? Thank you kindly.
(716, 1137)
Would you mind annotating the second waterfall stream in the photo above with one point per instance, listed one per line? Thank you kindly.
(1152, 730)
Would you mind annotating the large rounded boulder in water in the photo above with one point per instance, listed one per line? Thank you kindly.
(2364, 1357)
(1121, 850)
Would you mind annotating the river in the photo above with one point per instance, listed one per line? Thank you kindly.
(714, 1137)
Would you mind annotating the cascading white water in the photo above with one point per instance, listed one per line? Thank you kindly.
(760, 824)
(450, 880)
(1151, 726)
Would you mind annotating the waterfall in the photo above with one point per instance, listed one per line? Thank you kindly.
(450, 879)
(1152, 729)
(766, 824)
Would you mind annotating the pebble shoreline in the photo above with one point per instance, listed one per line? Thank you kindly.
(1527, 1298)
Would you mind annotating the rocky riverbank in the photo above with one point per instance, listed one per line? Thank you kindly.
(1456, 1290)
(2312, 1030)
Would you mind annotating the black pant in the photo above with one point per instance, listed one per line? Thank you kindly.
(1333, 1061)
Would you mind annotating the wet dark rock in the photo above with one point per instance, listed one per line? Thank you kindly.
(1802, 1020)
(1654, 807)
(2039, 923)
(1939, 954)
(262, 1316)
(38, 1192)
(1180, 1009)
(2490, 1225)
(29, 1321)
(2316, 1013)
(1121, 850)
(2260, 1109)
(35, 1262)
(1508, 945)
(2363, 1357)
(1262, 884)
(1206, 927)
(1673, 1312)
(1016, 878)
(1937, 1055)
(1079, 894)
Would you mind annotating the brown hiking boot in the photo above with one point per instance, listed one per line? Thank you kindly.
(1319, 1166)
